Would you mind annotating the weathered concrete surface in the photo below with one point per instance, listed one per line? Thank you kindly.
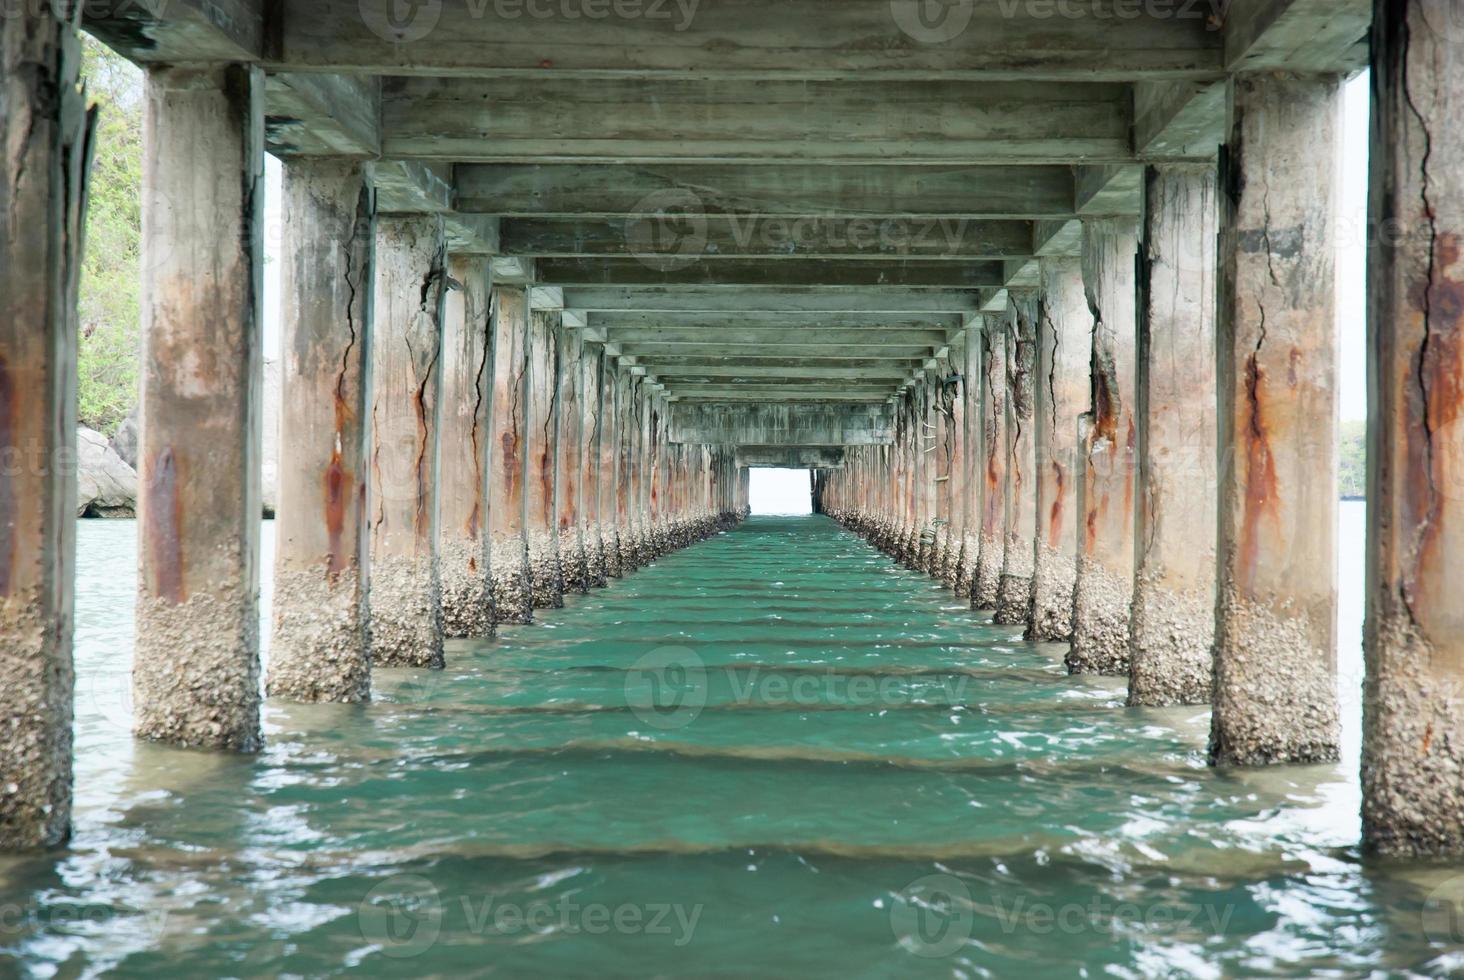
(320, 647)
(627, 425)
(1413, 730)
(951, 491)
(640, 404)
(406, 426)
(1275, 648)
(595, 479)
(467, 396)
(195, 675)
(610, 480)
(44, 137)
(986, 580)
(1064, 351)
(546, 577)
(569, 469)
(1106, 488)
(1172, 628)
(972, 459)
(509, 560)
(1014, 594)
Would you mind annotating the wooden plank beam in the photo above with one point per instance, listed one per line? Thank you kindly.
(786, 272)
(547, 119)
(793, 190)
(1084, 41)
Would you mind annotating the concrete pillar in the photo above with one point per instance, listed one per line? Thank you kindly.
(1413, 733)
(45, 130)
(195, 674)
(655, 504)
(645, 541)
(406, 423)
(1173, 624)
(546, 580)
(467, 397)
(953, 439)
(1106, 483)
(1014, 594)
(507, 517)
(320, 648)
(930, 469)
(986, 580)
(595, 477)
(627, 423)
(611, 431)
(569, 471)
(972, 460)
(1064, 349)
(1275, 648)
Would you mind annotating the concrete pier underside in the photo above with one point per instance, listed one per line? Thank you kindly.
(1056, 329)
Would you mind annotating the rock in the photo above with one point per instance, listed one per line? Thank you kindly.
(124, 441)
(269, 471)
(106, 486)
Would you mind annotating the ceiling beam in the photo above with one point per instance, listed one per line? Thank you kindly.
(773, 337)
(179, 30)
(655, 299)
(671, 370)
(323, 115)
(1297, 35)
(547, 119)
(660, 351)
(781, 425)
(795, 323)
(757, 272)
(791, 190)
(1082, 40)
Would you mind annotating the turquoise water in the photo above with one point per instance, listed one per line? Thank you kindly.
(773, 754)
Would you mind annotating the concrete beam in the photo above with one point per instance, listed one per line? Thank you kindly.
(670, 238)
(792, 457)
(680, 300)
(549, 119)
(781, 425)
(671, 371)
(180, 31)
(1184, 120)
(792, 38)
(793, 190)
(1109, 190)
(411, 187)
(738, 273)
(513, 270)
(323, 115)
(1317, 36)
(796, 324)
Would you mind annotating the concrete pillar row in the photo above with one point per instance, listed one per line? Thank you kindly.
(464, 541)
(406, 428)
(546, 576)
(991, 552)
(1275, 698)
(1173, 618)
(1014, 591)
(45, 130)
(320, 649)
(195, 671)
(1107, 477)
(507, 462)
(1064, 351)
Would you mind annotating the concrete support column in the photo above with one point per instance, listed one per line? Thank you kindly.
(570, 469)
(644, 458)
(1014, 594)
(546, 580)
(320, 648)
(1064, 350)
(1413, 732)
(507, 517)
(1173, 624)
(952, 488)
(406, 424)
(1106, 485)
(930, 470)
(467, 397)
(627, 423)
(1275, 648)
(595, 477)
(195, 674)
(972, 460)
(986, 580)
(45, 130)
(656, 476)
(611, 432)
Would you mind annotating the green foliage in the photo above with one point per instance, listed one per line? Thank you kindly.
(111, 269)
(1353, 456)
